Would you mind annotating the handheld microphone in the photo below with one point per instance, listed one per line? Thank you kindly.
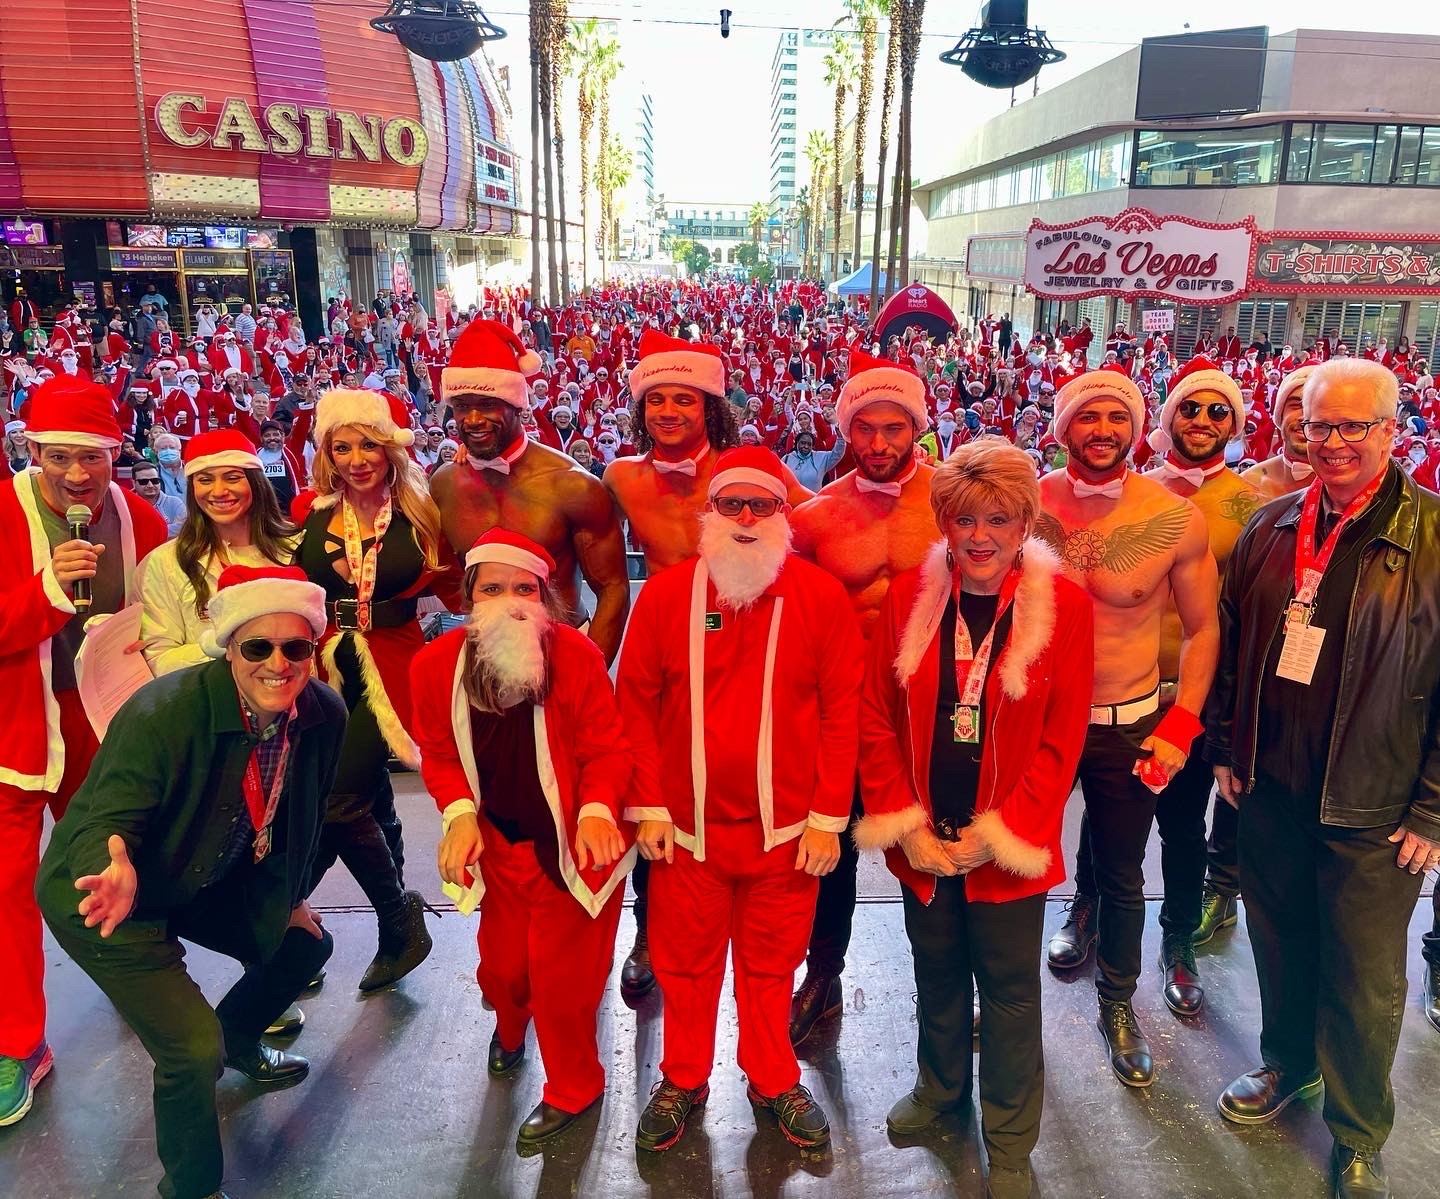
(77, 516)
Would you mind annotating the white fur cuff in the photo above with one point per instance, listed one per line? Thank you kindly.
(885, 829)
(1012, 853)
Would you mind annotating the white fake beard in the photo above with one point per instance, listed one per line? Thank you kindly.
(742, 570)
(508, 639)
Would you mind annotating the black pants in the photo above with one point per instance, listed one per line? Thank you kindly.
(1328, 911)
(1111, 861)
(1180, 817)
(835, 904)
(1224, 862)
(998, 945)
(142, 972)
(1430, 942)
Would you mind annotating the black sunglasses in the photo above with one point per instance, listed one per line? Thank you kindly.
(258, 649)
(1190, 409)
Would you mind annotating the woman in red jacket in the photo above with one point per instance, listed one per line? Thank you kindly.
(972, 721)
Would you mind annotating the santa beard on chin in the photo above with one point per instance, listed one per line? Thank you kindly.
(742, 570)
(507, 641)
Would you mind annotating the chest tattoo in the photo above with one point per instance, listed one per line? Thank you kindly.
(1240, 507)
(1122, 549)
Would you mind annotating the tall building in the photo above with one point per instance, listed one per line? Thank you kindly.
(638, 231)
(799, 102)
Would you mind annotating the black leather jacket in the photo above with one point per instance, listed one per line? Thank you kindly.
(1383, 763)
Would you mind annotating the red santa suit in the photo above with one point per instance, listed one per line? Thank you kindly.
(749, 717)
(1036, 708)
(46, 742)
(22, 312)
(223, 357)
(545, 948)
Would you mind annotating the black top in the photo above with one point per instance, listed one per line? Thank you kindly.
(397, 566)
(954, 765)
(510, 793)
(1295, 720)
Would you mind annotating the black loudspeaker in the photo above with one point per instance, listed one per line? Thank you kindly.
(1004, 51)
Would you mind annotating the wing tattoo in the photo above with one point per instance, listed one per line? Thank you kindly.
(1050, 531)
(1127, 546)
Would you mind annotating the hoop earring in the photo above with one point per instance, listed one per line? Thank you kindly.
(392, 476)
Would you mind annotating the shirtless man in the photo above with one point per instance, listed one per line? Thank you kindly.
(1290, 469)
(507, 480)
(864, 528)
(683, 422)
(1133, 545)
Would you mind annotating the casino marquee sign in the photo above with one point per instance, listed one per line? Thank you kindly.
(1137, 253)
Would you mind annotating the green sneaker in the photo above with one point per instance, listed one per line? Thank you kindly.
(18, 1076)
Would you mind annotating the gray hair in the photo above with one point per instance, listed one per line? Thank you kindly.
(1373, 375)
(167, 439)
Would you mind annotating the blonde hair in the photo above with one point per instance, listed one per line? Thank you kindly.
(982, 474)
(408, 489)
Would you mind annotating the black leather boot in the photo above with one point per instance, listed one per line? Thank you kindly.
(818, 998)
(1129, 1050)
(1217, 911)
(1072, 941)
(1432, 995)
(404, 944)
(1183, 993)
(637, 979)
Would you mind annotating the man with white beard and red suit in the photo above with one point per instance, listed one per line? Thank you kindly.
(524, 752)
(739, 682)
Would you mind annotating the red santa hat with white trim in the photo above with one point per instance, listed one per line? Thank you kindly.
(488, 359)
(675, 362)
(378, 410)
(1107, 383)
(1199, 374)
(245, 593)
(753, 464)
(872, 380)
(219, 448)
(512, 549)
(69, 410)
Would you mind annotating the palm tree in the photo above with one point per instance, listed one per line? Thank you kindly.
(612, 174)
(759, 218)
(559, 70)
(800, 213)
(865, 14)
(887, 95)
(537, 37)
(839, 74)
(607, 66)
(909, 53)
(542, 48)
(817, 152)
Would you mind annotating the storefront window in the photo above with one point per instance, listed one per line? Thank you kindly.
(1207, 157)
(1353, 322)
(334, 265)
(1269, 318)
(1343, 154)
(1302, 137)
(1408, 156)
(1429, 168)
(1386, 137)
(1427, 330)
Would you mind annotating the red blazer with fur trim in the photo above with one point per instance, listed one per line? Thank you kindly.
(1037, 711)
(581, 750)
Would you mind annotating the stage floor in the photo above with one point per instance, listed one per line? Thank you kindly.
(398, 1102)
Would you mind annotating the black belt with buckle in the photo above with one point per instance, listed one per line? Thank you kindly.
(351, 616)
(946, 830)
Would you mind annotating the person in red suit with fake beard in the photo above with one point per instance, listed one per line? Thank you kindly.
(520, 736)
(740, 685)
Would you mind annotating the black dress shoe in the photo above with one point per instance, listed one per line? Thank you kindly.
(404, 944)
(1129, 1050)
(504, 1062)
(315, 983)
(1261, 1095)
(1072, 940)
(287, 1024)
(270, 1067)
(1217, 911)
(637, 979)
(1432, 996)
(546, 1122)
(818, 998)
(662, 1123)
(799, 1116)
(1183, 993)
(1355, 1175)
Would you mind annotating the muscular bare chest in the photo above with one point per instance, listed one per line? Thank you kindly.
(864, 549)
(1227, 504)
(477, 504)
(1124, 558)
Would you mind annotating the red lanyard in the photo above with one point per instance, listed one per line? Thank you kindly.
(972, 666)
(261, 807)
(1310, 566)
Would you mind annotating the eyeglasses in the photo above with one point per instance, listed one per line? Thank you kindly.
(732, 506)
(1317, 432)
(258, 649)
(1217, 412)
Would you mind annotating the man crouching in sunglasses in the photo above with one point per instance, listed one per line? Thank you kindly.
(199, 820)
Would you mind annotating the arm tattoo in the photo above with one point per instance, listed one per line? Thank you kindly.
(1240, 507)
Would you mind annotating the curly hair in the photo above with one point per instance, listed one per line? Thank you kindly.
(722, 426)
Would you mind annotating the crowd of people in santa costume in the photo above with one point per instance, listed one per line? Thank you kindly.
(901, 596)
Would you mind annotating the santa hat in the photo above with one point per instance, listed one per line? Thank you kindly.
(233, 370)
(513, 549)
(384, 413)
(1199, 374)
(1107, 383)
(189, 373)
(673, 361)
(244, 593)
(489, 359)
(222, 447)
(68, 410)
(1292, 382)
(14, 426)
(872, 380)
(749, 464)
(167, 364)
